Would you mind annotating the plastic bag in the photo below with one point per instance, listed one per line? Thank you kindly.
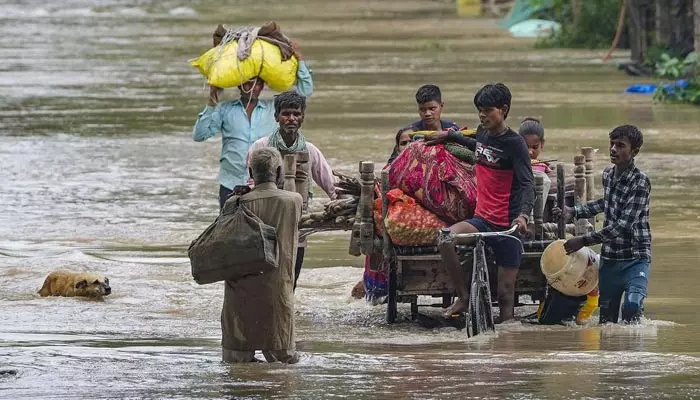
(223, 69)
(437, 180)
(409, 224)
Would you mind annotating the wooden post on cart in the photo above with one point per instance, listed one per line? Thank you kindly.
(367, 211)
(580, 190)
(561, 201)
(386, 248)
(290, 172)
(362, 237)
(301, 178)
(589, 154)
(539, 206)
(391, 306)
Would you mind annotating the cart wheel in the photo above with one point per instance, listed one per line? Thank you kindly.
(480, 313)
(414, 308)
(391, 298)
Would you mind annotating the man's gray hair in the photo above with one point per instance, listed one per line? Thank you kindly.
(264, 163)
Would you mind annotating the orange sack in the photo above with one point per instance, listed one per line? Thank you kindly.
(407, 223)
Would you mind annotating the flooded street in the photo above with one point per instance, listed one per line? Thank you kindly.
(98, 172)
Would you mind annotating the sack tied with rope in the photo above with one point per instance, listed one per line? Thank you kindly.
(241, 54)
(238, 244)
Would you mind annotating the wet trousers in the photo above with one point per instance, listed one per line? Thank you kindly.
(620, 278)
(239, 356)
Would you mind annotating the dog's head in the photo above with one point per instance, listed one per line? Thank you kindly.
(91, 285)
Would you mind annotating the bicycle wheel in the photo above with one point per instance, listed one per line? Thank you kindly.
(480, 313)
(481, 317)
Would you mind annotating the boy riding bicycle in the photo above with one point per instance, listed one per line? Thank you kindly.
(505, 195)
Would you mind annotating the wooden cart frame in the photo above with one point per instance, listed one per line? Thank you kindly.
(418, 271)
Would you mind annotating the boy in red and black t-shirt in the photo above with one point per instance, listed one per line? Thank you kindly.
(505, 192)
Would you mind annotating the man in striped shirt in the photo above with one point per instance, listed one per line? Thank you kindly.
(626, 236)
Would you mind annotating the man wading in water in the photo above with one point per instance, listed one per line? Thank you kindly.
(258, 311)
(290, 108)
(242, 122)
(626, 236)
(505, 195)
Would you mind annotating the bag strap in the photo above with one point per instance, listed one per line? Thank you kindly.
(230, 209)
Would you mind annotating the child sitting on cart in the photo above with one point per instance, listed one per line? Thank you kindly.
(532, 130)
(505, 194)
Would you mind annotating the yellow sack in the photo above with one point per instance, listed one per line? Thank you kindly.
(278, 75)
(223, 69)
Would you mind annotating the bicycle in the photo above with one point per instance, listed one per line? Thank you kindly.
(480, 314)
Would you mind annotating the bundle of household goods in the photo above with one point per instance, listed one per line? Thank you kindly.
(243, 53)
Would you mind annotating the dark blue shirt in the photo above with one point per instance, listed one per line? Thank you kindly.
(420, 125)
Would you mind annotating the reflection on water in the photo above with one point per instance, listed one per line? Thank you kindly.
(98, 173)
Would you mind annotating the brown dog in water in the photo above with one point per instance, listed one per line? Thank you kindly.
(71, 284)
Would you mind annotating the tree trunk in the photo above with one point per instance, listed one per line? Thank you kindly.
(696, 17)
(576, 7)
(636, 31)
(663, 22)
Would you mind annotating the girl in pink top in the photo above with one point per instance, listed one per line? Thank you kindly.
(532, 131)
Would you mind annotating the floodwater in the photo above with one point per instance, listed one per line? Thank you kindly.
(98, 172)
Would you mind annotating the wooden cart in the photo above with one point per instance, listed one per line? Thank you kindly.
(418, 271)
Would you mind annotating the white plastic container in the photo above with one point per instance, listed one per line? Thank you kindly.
(573, 275)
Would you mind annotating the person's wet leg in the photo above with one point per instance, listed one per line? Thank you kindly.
(283, 356)
(636, 278)
(450, 260)
(506, 292)
(610, 288)
(237, 356)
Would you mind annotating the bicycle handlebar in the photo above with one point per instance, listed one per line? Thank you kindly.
(464, 238)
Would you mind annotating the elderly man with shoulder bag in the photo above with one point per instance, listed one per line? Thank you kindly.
(258, 310)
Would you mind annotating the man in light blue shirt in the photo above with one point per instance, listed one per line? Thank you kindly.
(242, 122)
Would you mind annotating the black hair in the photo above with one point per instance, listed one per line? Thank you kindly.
(631, 132)
(493, 95)
(401, 131)
(289, 99)
(428, 93)
(532, 126)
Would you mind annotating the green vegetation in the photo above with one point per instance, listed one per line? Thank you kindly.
(584, 23)
(676, 68)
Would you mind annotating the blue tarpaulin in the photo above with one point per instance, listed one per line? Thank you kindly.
(650, 88)
(523, 10)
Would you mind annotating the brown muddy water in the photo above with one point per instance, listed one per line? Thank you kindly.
(98, 172)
